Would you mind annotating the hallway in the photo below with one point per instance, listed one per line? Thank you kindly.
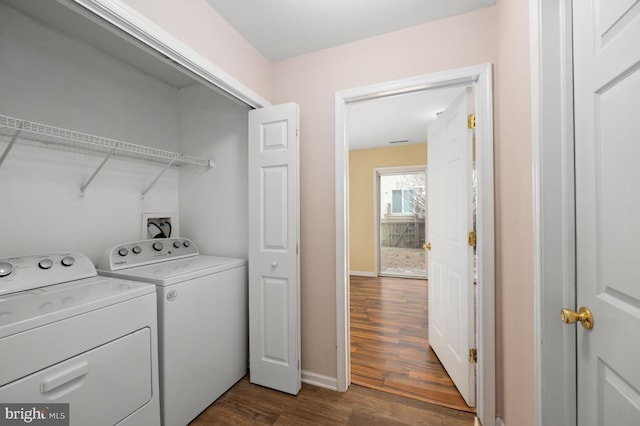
(389, 341)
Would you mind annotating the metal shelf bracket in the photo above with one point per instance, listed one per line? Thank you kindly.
(12, 142)
(29, 131)
(148, 188)
(84, 187)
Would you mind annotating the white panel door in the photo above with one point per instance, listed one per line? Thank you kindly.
(274, 283)
(449, 221)
(607, 153)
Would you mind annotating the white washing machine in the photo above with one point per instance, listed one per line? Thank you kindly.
(202, 319)
(69, 336)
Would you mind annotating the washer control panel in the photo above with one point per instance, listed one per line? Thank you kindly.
(144, 252)
(22, 273)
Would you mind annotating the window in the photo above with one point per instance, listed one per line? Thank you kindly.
(403, 201)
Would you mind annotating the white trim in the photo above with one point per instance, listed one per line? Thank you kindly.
(319, 380)
(117, 15)
(481, 76)
(554, 229)
(401, 169)
(363, 274)
(500, 421)
(343, 374)
(485, 229)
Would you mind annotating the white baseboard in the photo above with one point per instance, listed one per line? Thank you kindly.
(363, 274)
(499, 421)
(319, 380)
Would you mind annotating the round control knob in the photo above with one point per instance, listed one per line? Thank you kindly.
(123, 252)
(157, 246)
(136, 250)
(5, 269)
(45, 263)
(67, 261)
(186, 243)
(176, 244)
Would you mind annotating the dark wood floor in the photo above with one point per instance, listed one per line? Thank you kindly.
(247, 404)
(389, 342)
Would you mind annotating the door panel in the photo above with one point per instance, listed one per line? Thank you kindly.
(450, 219)
(607, 149)
(274, 285)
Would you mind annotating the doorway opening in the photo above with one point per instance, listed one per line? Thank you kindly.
(400, 217)
(391, 319)
(480, 78)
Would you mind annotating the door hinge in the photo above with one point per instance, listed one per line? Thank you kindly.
(471, 121)
(473, 356)
(297, 249)
(296, 131)
(472, 238)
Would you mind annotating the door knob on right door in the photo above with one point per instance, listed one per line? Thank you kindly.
(426, 246)
(583, 315)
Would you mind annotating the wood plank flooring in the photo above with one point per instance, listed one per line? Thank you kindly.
(247, 404)
(389, 342)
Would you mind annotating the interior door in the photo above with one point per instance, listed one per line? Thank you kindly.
(449, 221)
(607, 150)
(274, 280)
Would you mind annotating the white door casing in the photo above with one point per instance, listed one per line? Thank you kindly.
(449, 220)
(607, 148)
(274, 271)
(480, 76)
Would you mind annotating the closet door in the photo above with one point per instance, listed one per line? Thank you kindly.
(274, 262)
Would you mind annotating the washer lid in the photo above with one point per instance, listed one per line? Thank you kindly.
(32, 308)
(175, 271)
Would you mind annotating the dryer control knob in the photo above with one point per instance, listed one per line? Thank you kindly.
(123, 252)
(176, 244)
(157, 246)
(136, 249)
(67, 261)
(5, 269)
(186, 243)
(45, 263)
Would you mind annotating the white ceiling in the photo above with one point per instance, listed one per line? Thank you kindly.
(376, 123)
(281, 29)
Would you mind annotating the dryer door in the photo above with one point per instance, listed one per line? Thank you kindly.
(103, 386)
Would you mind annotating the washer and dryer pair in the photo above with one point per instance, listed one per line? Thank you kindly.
(154, 339)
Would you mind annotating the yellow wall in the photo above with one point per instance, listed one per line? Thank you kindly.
(361, 196)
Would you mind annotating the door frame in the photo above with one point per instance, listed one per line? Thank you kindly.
(121, 19)
(481, 77)
(377, 172)
(552, 143)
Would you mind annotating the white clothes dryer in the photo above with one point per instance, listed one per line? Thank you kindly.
(69, 336)
(202, 319)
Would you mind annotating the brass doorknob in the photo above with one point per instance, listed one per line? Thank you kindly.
(426, 246)
(583, 315)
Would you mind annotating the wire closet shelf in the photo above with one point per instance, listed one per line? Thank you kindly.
(46, 134)
(18, 129)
